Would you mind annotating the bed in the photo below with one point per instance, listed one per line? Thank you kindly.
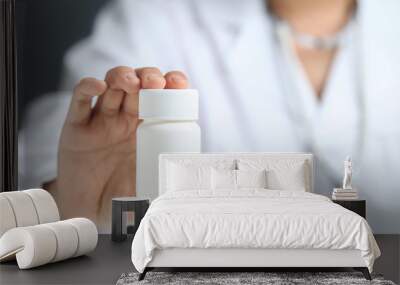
(247, 210)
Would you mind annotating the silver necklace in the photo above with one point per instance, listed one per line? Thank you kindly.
(318, 43)
(309, 41)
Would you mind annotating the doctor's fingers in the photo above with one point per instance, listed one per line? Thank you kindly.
(122, 83)
(81, 104)
(176, 80)
(151, 78)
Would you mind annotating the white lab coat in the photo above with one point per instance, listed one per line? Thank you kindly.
(227, 49)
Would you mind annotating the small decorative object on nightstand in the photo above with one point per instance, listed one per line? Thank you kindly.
(120, 207)
(347, 192)
(357, 206)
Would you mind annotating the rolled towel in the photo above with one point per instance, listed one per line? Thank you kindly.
(40, 244)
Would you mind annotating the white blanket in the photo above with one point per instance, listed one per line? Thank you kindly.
(250, 218)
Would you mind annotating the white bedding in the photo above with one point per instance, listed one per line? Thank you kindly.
(251, 218)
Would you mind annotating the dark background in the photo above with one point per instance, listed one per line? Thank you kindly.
(8, 98)
(45, 30)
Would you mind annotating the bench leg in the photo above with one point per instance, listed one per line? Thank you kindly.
(143, 274)
(364, 271)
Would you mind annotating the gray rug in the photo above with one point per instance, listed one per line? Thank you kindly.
(269, 278)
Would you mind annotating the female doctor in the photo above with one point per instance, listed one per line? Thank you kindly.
(276, 76)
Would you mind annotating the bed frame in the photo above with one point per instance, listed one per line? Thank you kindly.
(246, 259)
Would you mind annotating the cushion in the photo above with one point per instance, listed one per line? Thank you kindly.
(282, 174)
(45, 205)
(87, 233)
(188, 177)
(193, 174)
(26, 208)
(23, 208)
(237, 179)
(223, 179)
(67, 239)
(7, 218)
(40, 244)
(251, 178)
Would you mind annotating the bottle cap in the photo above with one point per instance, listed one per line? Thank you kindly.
(169, 104)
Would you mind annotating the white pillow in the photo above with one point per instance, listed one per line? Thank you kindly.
(288, 179)
(236, 179)
(188, 177)
(223, 179)
(251, 178)
(282, 174)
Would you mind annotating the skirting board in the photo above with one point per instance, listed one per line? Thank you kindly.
(189, 257)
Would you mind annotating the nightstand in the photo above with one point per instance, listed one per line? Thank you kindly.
(120, 207)
(357, 206)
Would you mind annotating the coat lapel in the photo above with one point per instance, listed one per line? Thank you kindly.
(242, 41)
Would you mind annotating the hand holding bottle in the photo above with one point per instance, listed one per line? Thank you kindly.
(97, 149)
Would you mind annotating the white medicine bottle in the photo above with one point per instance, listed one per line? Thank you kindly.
(169, 125)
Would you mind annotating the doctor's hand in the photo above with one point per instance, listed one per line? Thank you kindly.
(97, 148)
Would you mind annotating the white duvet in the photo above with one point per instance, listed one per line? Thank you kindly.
(250, 218)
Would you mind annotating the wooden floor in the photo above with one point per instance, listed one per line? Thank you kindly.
(389, 262)
(110, 260)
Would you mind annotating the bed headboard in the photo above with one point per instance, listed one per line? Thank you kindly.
(215, 158)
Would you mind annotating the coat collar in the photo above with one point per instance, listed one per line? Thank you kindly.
(227, 20)
(233, 21)
(240, 29)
